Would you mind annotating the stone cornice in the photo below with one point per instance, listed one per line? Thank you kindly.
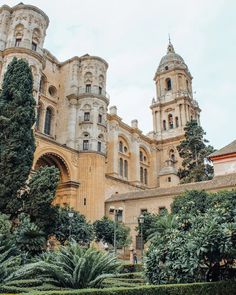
(24, 51)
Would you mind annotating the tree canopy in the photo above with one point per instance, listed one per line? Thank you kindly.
(194, 152)
(196, 242)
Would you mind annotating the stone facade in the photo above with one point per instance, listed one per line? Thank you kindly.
(98, 155)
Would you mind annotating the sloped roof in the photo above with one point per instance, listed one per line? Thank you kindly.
(218, 182)
(228, 149)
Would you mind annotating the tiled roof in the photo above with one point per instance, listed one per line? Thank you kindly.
(218, 182)
(228, 149)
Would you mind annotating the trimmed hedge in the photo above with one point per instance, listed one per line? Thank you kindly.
(216, 288)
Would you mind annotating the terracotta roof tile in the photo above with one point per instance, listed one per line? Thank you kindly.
(218, 182)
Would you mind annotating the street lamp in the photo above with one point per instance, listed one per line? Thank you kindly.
(141, 221)
(116, 212)
(71, 215)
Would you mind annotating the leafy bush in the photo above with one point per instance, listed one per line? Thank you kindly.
(130, 268)
(196, 242)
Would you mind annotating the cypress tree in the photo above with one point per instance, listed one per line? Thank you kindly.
(17, 144)
(194, 152)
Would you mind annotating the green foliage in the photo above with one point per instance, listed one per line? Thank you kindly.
(17, 116)
(74, 227)
(128, 268)
(194, 152)
(36, 201)
(9, 260)
(104, 231)
(28, 237)
(196, 242)
(5, 225)
(72, 267)
(218, 288)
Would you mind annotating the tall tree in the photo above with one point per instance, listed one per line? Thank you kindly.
(194, 152)
(17, 117)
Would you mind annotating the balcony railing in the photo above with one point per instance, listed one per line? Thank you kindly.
(95, 90)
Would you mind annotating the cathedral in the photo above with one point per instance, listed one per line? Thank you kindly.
(101, 159)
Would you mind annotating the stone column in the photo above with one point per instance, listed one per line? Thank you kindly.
(72, 122)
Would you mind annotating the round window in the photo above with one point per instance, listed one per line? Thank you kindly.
(52, 91)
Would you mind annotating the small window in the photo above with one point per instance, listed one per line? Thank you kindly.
(168, 84)
(34, 46)
(52, 91)
(145, 159)
(88, 88)
(100, 118)
(164, 124)
(141, 156)
(141, 174)
(161, 210)
(166, 68)
(48, 121)
(176, 122)
(99, 146)
(120, 216)
(121, 167)
(143, 211)
(85, 201)
(126, 169)
(85, 145)
(121, 146)
(170, 121)
(86, 116)
(99, 90)
(125, 149)
(145, 176)
(17, 43)
(169, 179)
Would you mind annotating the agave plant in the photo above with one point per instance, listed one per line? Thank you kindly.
(73, 267)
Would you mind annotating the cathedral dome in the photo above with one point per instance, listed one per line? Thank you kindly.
(171, 60)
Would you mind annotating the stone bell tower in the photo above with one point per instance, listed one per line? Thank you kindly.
(173, 107)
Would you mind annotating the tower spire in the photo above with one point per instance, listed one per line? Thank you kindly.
(170, 48)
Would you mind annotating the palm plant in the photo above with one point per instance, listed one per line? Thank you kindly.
(73, 267)
(9, 260)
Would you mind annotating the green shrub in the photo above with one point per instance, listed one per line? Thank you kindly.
(217, 288)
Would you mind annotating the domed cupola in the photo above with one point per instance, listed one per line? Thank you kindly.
(171, 61)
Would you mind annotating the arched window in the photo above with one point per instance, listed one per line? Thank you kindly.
(38, 117)
(168, 84)
(176, 122)
(145, 176)
(100, 118)
(170, 121)
(141, 174)
(126, 169)
(48, 121)
(164, 124)
(172, 155)
(35, 39)
(43, 84)
(141, 156)
(19, 31)
(121, 146)
(121, 167)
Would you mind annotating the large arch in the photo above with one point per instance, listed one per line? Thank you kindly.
(53, 159)
(67, 188)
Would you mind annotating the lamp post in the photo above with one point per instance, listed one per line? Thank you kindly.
(116, 212)
(141, 221)
(71, 215)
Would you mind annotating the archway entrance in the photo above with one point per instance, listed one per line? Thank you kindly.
(67, 189)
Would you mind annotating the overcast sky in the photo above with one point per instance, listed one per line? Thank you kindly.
(132, 36)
